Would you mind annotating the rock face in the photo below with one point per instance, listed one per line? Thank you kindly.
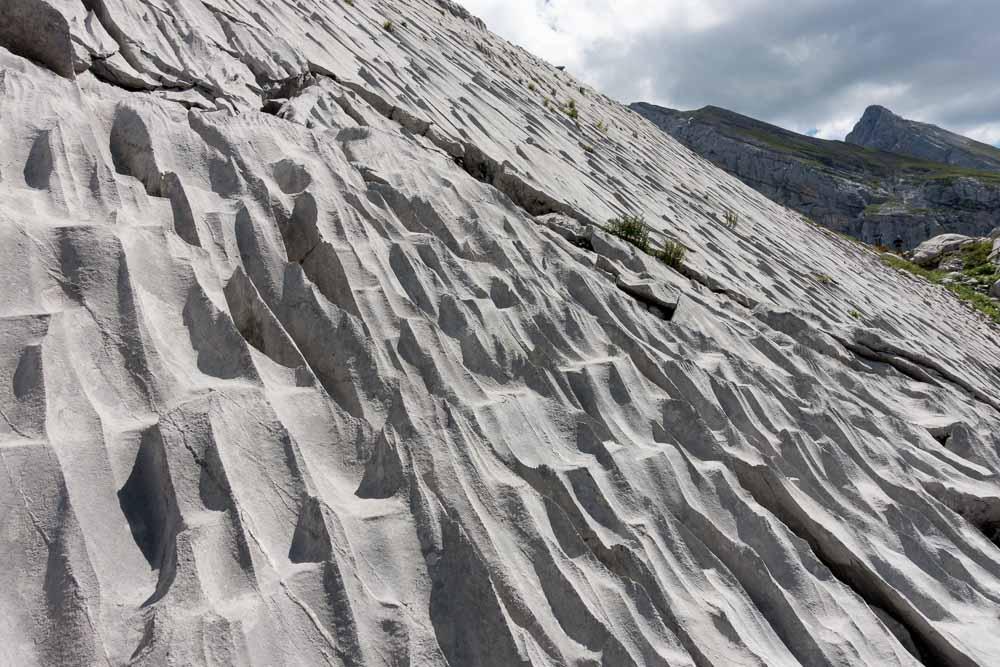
(880, 198)
(311, 352)
(883, 130)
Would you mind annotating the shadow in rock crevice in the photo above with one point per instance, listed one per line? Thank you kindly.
(149, 504)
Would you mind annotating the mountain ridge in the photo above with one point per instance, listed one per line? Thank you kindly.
(879, 197)
(881, 129)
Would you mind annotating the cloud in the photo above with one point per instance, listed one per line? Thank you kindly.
(807, 65)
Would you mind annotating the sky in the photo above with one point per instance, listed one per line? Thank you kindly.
(812, 66)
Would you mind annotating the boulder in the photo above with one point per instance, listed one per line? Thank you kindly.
(995, 290)
(995, 255)
(929, 252)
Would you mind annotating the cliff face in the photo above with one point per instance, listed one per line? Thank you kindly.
(878, 197)
(311, 353)
(883, 130)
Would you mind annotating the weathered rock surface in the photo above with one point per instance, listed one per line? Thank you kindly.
(883, 130)
(931, 250)
(880, 198)
(311, 353)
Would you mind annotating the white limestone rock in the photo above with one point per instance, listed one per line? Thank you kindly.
(930, 251)
(310, 353)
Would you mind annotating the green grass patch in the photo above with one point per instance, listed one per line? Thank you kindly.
(672, 254)
(632, 229)
(972, 254)
(977, 300)
(978, 254)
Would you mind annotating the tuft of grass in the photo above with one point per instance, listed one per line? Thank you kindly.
(601, 127)
(823, 279)
(388, 26)
(632, 229)
(672, 254)
(901, 264)
(531, 86)
(856, 314)
(570, 109)
(977, 254)
(730, 219)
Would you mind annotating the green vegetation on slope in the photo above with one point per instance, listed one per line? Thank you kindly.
(977, 268)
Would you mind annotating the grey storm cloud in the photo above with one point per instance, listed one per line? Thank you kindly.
(817, 63)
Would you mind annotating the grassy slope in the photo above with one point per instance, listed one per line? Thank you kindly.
(977, 266)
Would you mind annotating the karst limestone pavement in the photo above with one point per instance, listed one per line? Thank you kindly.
(313, 353)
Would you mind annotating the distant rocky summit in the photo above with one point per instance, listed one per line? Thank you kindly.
(883, 130)
(879, 197)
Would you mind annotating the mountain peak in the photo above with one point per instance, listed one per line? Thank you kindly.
(842, 185)
(882, 129)
(877, 110)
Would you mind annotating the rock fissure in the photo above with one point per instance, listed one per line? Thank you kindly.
(715, 287)
(619, 559)
(982, 513)
(915, 366)
(932, 648)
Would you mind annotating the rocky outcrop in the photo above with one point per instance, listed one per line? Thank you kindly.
(961, 263)
(315, 349)
(883, 130)
(879, 198)
(930, 251)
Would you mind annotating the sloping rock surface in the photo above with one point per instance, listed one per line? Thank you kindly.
(311, 353)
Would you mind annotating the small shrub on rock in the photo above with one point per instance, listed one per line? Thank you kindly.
(631, 228)
(571, 109)
(672, 254)
(730, 219)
